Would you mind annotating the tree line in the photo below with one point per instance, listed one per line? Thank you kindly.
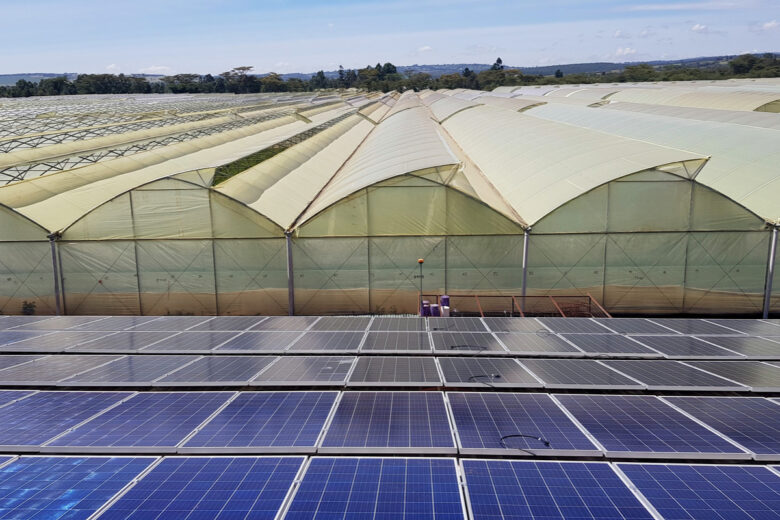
(383, 77)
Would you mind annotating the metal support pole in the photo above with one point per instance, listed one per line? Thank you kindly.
(525, 270)
(770, 273)
(290, 276)
(55, 270)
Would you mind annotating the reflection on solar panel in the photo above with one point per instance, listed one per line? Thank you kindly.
(515, 424)
(9, 396)
(632, 326)
(121, 342)
(10, 361)
(397, 342)
(209, 487)
(419, 489)
(337, 323)
(58, 322)
(293, 323)
(707, 492)
(36, 419)
(573, 325)
(670, 375)
(328, 342)
(171, 323)
(8, 337)
(690, 326)
(605, 344)
(753, 422)
(525, 325)
(453, 342)
(129, 370)
(389, 370)
(10, 322)
(113, 323)
(517, 490)
(191, 342)
(228, 323)
(56, 342)
(685, 347)
(753, 347)
(578, 373)
(300, 370)
(755, 374)
(265, 421)
(752, 327)
(148, 420)
(218, 370)
(64, 487)
(51, 369)
(457, 324)
(544, 343)
(642, 425)
(409, 422)
(259, 341)
(486, 372)
(391, 324)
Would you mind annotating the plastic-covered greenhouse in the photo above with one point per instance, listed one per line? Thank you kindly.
(648, 198)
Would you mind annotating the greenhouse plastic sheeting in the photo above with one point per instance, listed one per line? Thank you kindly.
(26, 275)
(251, 276)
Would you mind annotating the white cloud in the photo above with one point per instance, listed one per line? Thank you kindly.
(621, 34)
(622, 52)
(770, 25)
(699, 28)
(156, 69)
(425, 48)
(112, 68)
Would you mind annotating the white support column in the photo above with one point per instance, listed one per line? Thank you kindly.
(525, 268)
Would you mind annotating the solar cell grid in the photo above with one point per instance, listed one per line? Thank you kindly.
(456, 325)
(328, 342)
(632, 326)
(191, 342)
(218, 488)
(382, 489)
(8, 337)
(170, 323)
(64, 487)
(10, 322)
(752, 347)
(58, 322)
(121, 342)
(397, 342)
(155, 421)
(708, 492)
(218, 370)
(753, 422)
(685, 347)
(395, 370)
(289, 323)
(36, 419)
(115, 323)
(269, 342)
(13, 360)
(299, 370)
(520, 490)
(547, 344)
(260, 422)
(642, 425)
(755, 374)
(573, 325)
(671, 375)
(521, 325)
(341, 323)
(473, 342)
(697, 327)
(55, 342)
(392, 324)
(515, 424)
(752, 327)
(51, 369)
(228, 323)
(411, 422)
(610, 344)
(129, 370)
(578, 373)
(486, 372)
(9, 396)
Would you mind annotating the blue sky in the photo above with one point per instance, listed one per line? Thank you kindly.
(174, 36)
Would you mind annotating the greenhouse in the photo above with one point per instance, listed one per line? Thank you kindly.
(646, 198)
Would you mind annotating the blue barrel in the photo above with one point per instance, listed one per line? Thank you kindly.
(444, 300)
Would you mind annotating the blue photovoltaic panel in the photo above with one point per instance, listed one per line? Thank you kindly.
(236, 323)
(55, 342)
(58, 322)
(50, 369)
(13, 360)
(17, 322)
(643, 424)
(147, 420)
(573, 325)
(170, 323)
(64, 487)
(692, 326)
(9, 337)
(214, 488)
(38, 418)
(483, 419)
(123, 341)
(379, 489)
(114, 323)
(753, 422)
(8, 396)
(292, 323)
(520, 490)
(610, 344)
(130, 369)
(219, 369)
(684, 492)
(191, 342)
(259, 341)
(390, 420)
(267, 419)
(632, 326)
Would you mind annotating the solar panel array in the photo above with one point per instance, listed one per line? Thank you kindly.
(311, 417)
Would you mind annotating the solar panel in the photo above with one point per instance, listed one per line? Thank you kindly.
(378, 488)
(485, 373)
(171, 323)
(752, 327)
(339, 323)
(51, 369)
(11, 360)
(691, 326)
(64, 487)
(124, 342)
(262, 422)
(191, 342)
(457, 324)
(474, 342)
(36, 419)
(579, 374)
(267, 342)
(209, 487)
(217, 371)
(115, 323)
(291, 323)
(547, 344)
(8, 337)
(672, 375)
(707, 491)
(399, 342)
(56, 342)
(154, 422)
(57, 322)
(129, 371)
(610, 344)
(761, 377)
(644, 426)
(753, 422)
(9, 396)
(515, 424)
(395, 370)
(521, 325)
(752, 347)
(685, 347)
(327, 342)
(397, 324)
(10, 322)
(306, 370)
(393, 422)
(573, 325)
(228, 323)
(632, 326)
(498, 489)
